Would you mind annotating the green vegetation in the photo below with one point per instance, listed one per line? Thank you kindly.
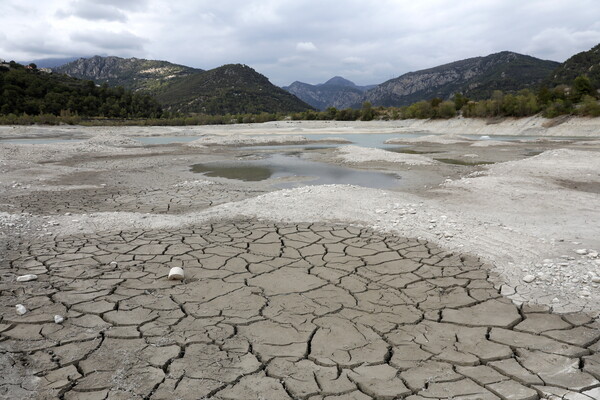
(25, 91)
(584, 63)
(237, 94)
(476, 78)
(232, 88)
(578, 99)
(229, 89)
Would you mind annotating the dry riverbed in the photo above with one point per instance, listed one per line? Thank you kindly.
(476, 277)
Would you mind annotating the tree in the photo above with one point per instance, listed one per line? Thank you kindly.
(367, 113)
(459, 100)
(582, 86)
(436, 101)
(446, 109)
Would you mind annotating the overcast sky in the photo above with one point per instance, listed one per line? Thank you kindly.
(306, 40)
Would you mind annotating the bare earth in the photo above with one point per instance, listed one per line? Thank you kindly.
(477, 278)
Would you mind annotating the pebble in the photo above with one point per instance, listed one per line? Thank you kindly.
(596, 279)
(529, 278)
(58, 319)
(581, 251)
(27, 278)
(21, 309)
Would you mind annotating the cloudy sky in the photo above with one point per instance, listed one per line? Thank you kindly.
(307, 40)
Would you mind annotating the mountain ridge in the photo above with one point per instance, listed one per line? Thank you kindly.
(336, 92)
(184, 89)
(475, 77)
(131, 73)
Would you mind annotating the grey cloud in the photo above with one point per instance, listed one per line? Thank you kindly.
(115, 41)
(367, 43)
(102, 10)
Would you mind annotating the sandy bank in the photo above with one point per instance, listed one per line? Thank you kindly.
(530, 126)
(357, 154)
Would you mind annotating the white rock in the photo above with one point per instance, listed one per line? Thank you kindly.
(113, 264)
(596, 279)
(176, 274)
(581, 251)
(58, 319)
(20, 308)
(27, 278)
(507, 290)
(529, 278)
(555, 300)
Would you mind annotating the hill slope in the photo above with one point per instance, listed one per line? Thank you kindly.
(475, 77)
(232, 88)
(33, 92)
(336, 92)
(131, 73)
(584, 63)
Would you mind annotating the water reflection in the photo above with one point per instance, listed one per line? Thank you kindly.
(305, 172)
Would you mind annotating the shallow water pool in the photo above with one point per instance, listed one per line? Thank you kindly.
(165, 139)
(278, 166)
(40, 141)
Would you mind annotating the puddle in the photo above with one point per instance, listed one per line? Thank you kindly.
(531, 153)
(165, 139)
(589, 187)
(455, 161)
(281, 166)
(40, 141)
(517, 138)
(376, 140)
(404, 150)
(247, 173)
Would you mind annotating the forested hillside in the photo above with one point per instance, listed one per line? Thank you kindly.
(26, 90)
(229, 89)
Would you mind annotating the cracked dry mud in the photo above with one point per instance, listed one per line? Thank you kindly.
(277, 311)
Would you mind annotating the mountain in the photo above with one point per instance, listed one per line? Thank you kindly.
(232, 88)
(584, 63)
(475, 77)
(50, 62)
(337, 92)
(227, 89)
(131, 73)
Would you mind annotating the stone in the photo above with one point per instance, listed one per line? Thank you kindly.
(529, 278)
(27, 278)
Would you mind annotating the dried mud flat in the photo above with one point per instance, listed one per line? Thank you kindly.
(329, 292)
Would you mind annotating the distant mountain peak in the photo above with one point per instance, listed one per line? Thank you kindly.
(337, 92)
(339, 81)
